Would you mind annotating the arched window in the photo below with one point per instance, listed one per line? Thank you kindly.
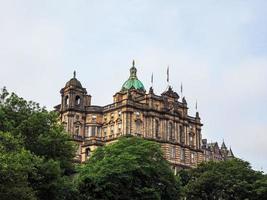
(66, 101)
(77, 100)
(87, 152)
(157, 128)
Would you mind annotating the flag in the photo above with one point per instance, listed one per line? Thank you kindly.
(181, 88)
(168, 75)
(196, 104)
(152, 79)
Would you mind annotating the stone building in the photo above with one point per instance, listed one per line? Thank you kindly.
(212, 151)
(162, 118)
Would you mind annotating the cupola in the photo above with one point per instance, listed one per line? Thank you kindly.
(133, 82)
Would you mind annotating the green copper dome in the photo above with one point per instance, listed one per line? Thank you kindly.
(133, 82)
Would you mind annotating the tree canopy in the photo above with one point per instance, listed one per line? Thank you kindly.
(231, 179)
(35, 152)
(131, 168)
(36, 163)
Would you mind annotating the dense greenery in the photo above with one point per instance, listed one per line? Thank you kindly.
(131, 168)
(35, 153)
(231, 179)
(36, 164)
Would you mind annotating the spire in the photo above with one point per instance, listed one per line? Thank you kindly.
(133, 71)
(74, 74)
(230, 153)
(223, 145)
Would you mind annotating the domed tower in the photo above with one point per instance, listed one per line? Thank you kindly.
(133, 83)
(74, 96)
(74, 101)
(133, 87)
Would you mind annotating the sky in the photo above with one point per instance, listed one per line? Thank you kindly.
(217, 49)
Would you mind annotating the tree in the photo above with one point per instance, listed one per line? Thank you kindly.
(231, 179)
(43, 143)
(16, 164)
(131, 168)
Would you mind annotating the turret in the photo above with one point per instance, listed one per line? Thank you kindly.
(74, 96)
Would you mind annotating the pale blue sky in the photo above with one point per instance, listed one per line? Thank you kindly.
(218, 49)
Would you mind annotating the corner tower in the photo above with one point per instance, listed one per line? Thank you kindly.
(74, 96)
(74, 101)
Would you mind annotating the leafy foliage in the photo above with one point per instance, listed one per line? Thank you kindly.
(36, 154)
(131, 168)
(231, 179)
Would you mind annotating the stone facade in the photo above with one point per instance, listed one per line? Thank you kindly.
(161, 118)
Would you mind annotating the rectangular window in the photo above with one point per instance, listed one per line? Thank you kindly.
(182, 154)
(173, 152)
(87, 131)
(77, 130)
(192, 157)
(105, 132)
(119, 127)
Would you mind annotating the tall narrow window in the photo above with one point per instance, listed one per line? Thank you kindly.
(182, 154)
(87, 131)
(119, 127)
(77, 130)
(181, 132)
(191, 139)
(170, 131)
(105, 132)
(173, 152)
(138, 127)
(87, 152)
(77, 100)
(112, 129)
(192, 157)
(157, 128)
(67, 100)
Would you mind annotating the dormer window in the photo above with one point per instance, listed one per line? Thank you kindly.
(77, 100)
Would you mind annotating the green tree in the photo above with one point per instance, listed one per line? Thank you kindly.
(131, 168)
(42, 137)
(231, 179)
(16, 165)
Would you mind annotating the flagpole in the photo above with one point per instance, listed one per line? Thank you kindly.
(182, 89)
(152, 80)
(168, 76)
